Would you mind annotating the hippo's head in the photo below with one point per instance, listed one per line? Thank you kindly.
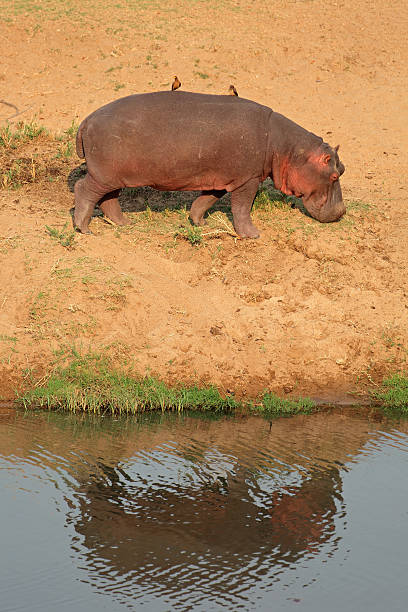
(315, 179)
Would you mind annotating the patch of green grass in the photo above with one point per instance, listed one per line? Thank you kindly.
(122, 281)
(39, 305)
(72, 130)
(8, 349)
(62, 272)
(356, 211)
(6, 338)
(92, 265)
(193, 234)
(33, 164)
(92, 383)
(88, 279)
(393, 393)
(65, 151)
(10, 177)
(269, 198)
(53, 9)
(391, 336)
(359, 205)
(63, 236)
(69, 133)
(22, 171)
(11, 137)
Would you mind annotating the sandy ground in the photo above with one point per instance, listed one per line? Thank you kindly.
(307, 308)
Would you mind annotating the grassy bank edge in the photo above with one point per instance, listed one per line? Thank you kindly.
(91, 383)
(392, 394)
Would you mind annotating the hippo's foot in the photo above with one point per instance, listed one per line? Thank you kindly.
(197, 220)
(112, 210)
(247, 230)
(83, 231)
(80, 222)
(116, 220)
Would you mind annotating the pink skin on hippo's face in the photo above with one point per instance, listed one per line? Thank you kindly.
(316, 181)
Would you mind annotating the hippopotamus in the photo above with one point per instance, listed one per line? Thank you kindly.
(182, 141)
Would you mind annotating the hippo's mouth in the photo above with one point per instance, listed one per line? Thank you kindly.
(327, 208)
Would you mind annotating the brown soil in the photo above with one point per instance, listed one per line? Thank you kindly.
(308, 308)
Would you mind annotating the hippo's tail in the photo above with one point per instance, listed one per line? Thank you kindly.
(79, 143)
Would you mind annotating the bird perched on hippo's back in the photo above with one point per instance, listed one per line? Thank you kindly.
(176, 84)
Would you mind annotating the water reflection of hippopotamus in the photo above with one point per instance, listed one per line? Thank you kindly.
(184, 535)
(215, 144)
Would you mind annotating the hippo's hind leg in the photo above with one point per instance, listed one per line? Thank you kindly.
(241, 204)
(201, 204)
(111, 208)
(87, 194)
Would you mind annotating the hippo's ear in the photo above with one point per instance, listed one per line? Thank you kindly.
(336, 148)
(325, 159)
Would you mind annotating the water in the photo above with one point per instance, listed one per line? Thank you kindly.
(181, 512)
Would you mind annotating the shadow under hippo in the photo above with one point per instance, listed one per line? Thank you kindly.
(138, 199)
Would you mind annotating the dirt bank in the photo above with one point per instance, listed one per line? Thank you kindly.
(308, 308)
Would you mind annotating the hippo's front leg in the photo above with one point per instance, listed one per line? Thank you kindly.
(241, 204)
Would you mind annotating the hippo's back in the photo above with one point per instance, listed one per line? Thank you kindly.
(180, 107)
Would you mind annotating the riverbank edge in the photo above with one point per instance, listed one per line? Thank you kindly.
(93, 383)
